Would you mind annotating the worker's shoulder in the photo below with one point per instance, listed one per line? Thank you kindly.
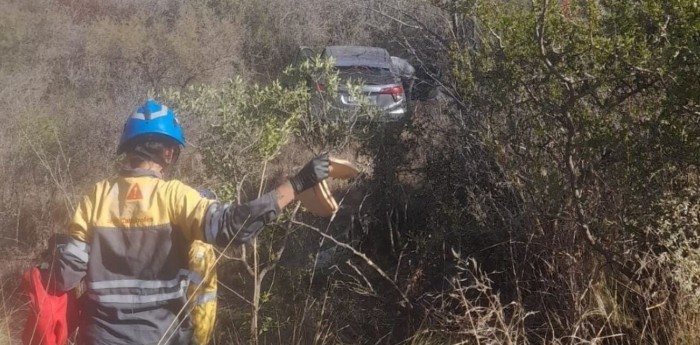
(118, 181)
(102, 185)
(178, 186)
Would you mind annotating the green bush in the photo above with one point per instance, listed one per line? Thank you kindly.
(244, 127)
(586, 116)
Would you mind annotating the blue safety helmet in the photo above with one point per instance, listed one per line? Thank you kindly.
(151, 120)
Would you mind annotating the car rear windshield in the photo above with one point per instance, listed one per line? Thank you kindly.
(365, 75)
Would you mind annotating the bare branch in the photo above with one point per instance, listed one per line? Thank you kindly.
(368, 261)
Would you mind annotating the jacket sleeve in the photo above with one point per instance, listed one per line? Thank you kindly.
(70, 264)
(239, 223)
(71, 258)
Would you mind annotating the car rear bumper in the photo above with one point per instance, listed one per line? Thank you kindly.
(394, 114)
(340, 111)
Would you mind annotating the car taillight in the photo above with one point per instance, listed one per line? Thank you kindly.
(320, 87)
(395, 91)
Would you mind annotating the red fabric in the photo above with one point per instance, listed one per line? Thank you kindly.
(48, 320)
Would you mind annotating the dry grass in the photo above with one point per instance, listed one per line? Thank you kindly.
(441, 241)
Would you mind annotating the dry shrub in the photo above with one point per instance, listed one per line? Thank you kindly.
(555, 155)
(484, 176)
(70, 82)
(676, 230)
(276, 29)
(471, 311)
(159, 49)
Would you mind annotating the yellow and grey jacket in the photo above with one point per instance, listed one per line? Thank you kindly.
(130, 241)
(201, 291)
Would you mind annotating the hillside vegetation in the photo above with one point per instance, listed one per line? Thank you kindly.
(550, 197)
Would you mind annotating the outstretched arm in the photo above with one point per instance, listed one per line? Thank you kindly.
(242, 223)
(285, 194)
(71, 251)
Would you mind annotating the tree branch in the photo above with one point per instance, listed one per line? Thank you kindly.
(405, 301)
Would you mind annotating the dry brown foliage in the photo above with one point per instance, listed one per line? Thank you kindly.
(451, 236)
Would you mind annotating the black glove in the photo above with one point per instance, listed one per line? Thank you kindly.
(311, 174)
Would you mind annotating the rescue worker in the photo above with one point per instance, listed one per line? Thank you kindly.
(130, 235)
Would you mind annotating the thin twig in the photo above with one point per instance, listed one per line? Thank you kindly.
(368, 261)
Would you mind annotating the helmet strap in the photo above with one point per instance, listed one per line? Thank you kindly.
(164, 153)
(175, 157)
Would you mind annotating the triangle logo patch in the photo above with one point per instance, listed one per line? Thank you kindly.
(134, 193)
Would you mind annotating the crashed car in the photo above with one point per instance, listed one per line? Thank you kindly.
(371, 68)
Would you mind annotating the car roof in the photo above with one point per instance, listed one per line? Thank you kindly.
(359, 56)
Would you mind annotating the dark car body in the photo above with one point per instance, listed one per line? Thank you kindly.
(370, 67)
